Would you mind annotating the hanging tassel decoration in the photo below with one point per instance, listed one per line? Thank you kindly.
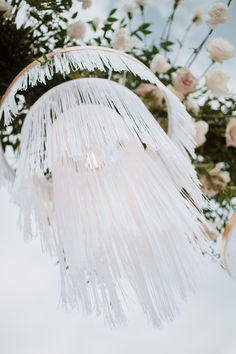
(113, 197)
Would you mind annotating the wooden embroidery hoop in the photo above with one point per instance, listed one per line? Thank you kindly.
(52, 54)
(225, 237)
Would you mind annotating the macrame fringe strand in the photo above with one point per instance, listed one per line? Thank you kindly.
(114, 213)
(181, 128)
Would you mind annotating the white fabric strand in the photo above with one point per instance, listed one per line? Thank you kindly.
(181, 126)
(115, 96)
(116, 215)
(7, 174)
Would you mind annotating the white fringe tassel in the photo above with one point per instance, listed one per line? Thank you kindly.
(95, 58)
(116, 215)
(7, 174)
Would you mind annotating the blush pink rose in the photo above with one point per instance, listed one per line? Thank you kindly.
(230, 133)
(155, 97)
(219, 179)
(184, 81)
(201, 129)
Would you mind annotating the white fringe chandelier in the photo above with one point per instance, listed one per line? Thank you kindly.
(108, 192)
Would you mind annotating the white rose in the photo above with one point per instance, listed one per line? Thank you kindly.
(197, 17)
(219, 49)
(121, 40)
(159, 64)
(6, 8)
(86, 4)
(201, 129)
(218, 13)
(141, 2)
(129, 8)
(77, 30)
(216, 81)
(230, 133)
(192, 105)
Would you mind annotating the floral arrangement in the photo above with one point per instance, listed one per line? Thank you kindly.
(48, 25)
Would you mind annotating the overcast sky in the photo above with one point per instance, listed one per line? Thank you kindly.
(31, 322)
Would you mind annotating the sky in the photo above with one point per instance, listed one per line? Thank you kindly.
(31, 320)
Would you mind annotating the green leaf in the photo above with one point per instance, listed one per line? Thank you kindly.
(112, 19)
(144, 26)
(74, 15)
(64, 19)
(138, 36)
(35, 15)
(146, 32)
(112, 12)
